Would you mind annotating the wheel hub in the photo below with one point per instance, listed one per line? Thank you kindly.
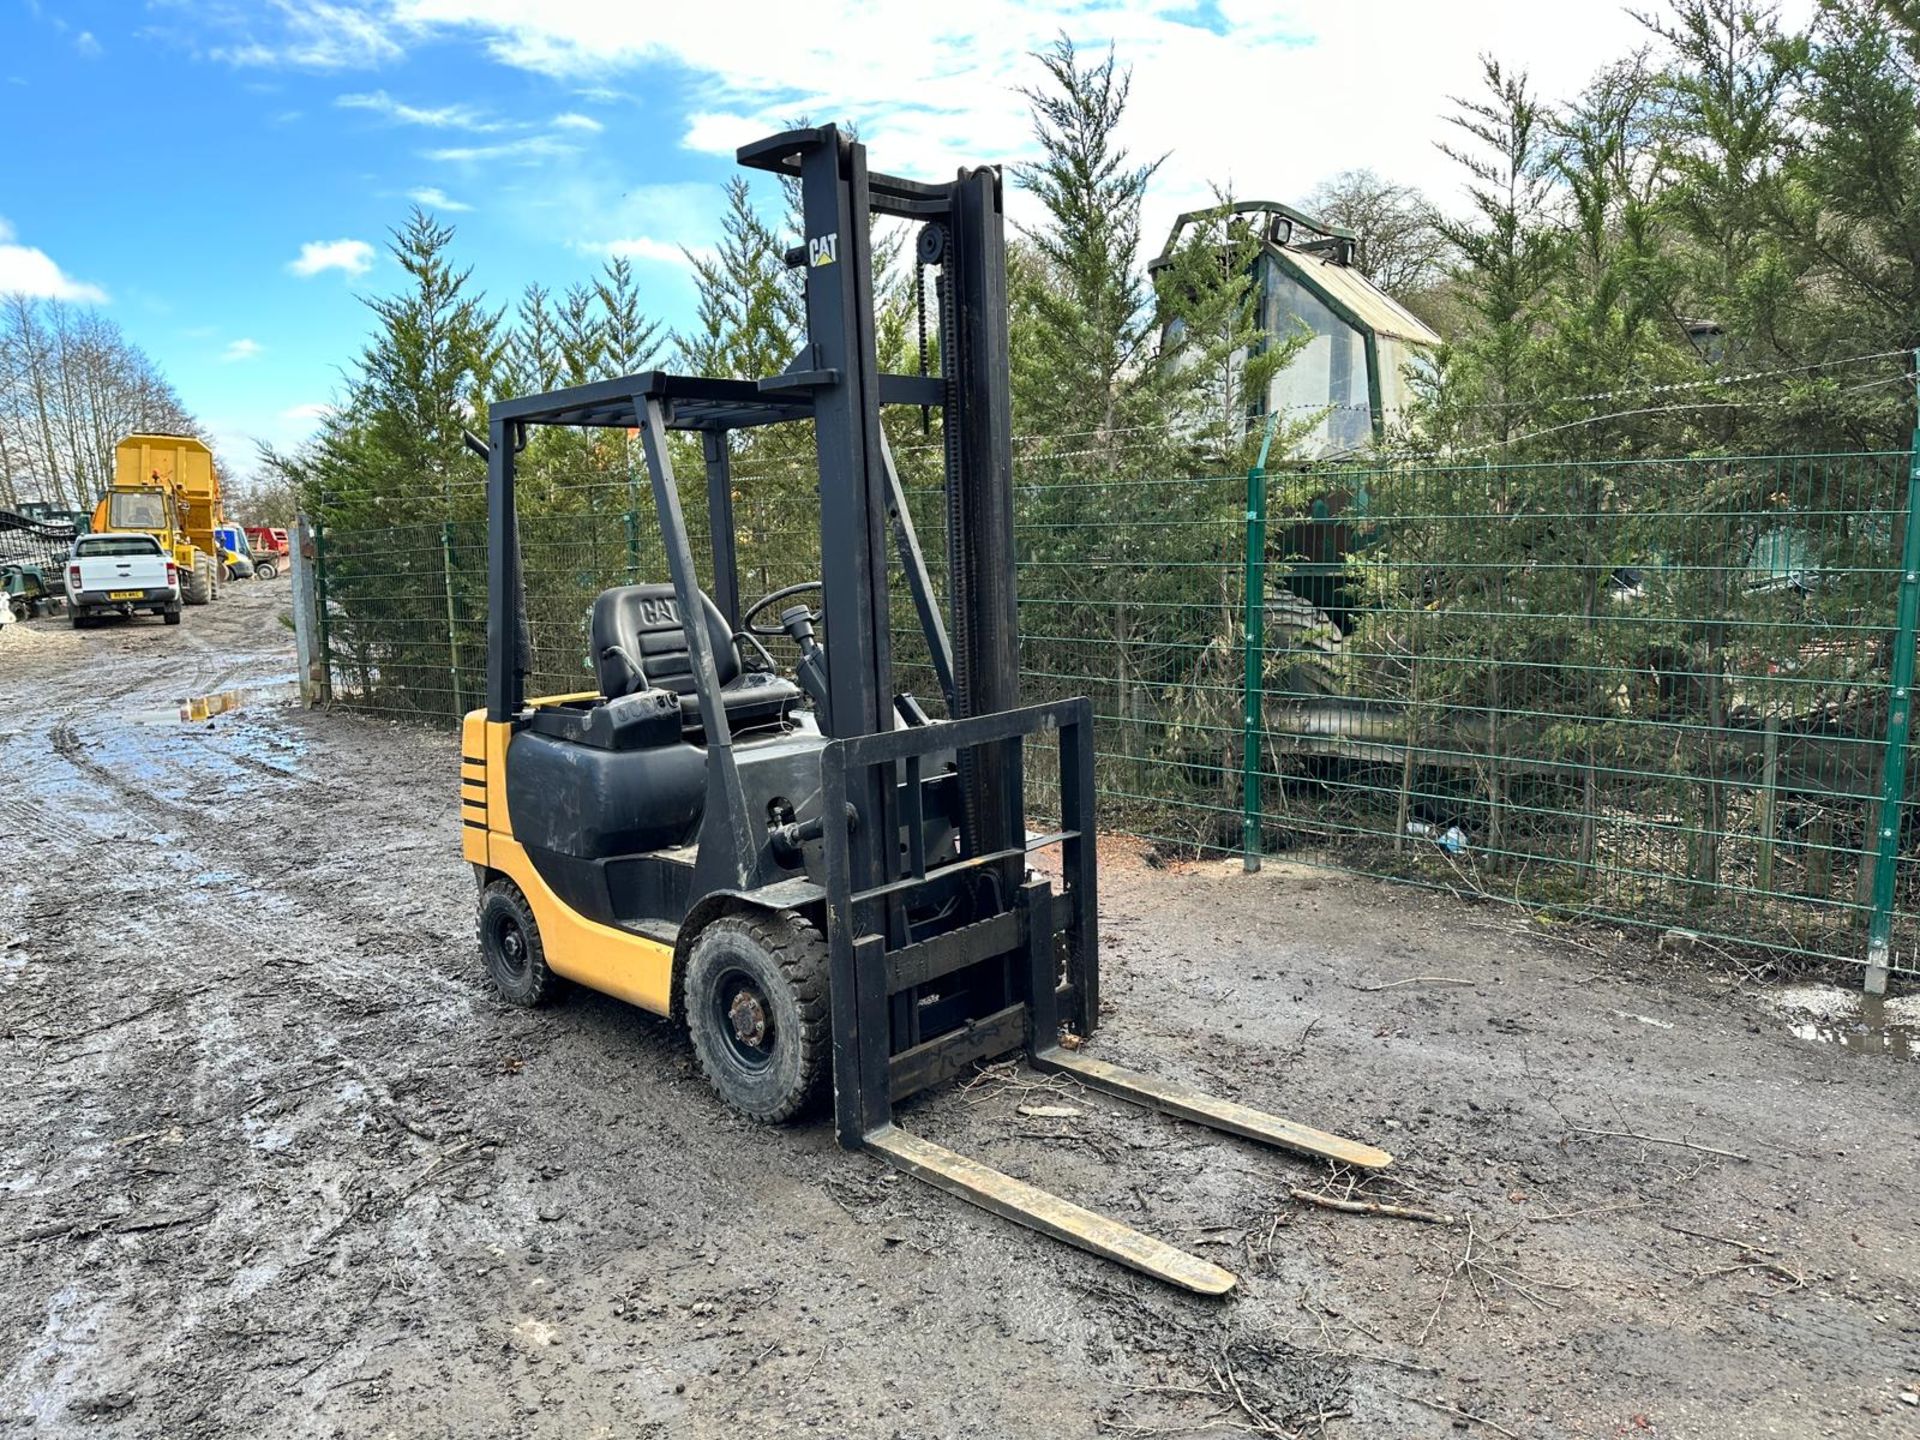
(513, 946)
(748, 1016)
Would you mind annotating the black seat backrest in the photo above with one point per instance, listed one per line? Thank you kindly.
(639, 640)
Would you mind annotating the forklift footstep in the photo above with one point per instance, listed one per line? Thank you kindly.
(1037, 1209)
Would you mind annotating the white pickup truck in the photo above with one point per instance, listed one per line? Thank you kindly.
(121, 573)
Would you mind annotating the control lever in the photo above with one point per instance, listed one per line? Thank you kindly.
(811, 671)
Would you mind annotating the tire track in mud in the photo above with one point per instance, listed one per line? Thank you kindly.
(223, 846)
(199, 1035)
(593, 1049)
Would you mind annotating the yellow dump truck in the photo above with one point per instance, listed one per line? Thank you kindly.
(165, 486)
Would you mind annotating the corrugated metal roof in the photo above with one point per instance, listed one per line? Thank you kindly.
(1348, 289)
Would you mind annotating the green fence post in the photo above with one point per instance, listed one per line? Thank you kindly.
(320, 586)
(1252, 687)
(1893, 775)
(633, 547)
(453, 643)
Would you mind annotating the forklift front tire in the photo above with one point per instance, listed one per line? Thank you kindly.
(756, 998)
(510, 942)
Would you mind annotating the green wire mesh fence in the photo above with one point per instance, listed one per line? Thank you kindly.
(1650, 692)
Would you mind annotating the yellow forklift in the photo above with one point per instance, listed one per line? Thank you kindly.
(833, 888)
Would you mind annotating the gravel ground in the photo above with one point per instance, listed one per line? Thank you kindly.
(273, 1162)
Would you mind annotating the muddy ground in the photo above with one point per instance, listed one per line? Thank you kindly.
(273, 1162)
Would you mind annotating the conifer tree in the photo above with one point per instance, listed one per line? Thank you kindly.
(750, 314)
(630, 339)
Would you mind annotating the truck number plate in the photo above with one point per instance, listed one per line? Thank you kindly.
(126, 594)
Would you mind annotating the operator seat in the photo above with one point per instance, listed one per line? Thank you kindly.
(639, 643)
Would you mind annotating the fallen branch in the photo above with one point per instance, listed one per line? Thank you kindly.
(1370, 1207)
(165, 1003)
(53, 1232)
(463, 1152)
(1752, 1257)
(1663, 1140)
(1752, 1262)
(1416, 980)
(1746, 1246)
(1460, 1266)
(1300, 1045)
(1446, 1409)
(1263, 1423)
(135, 1224)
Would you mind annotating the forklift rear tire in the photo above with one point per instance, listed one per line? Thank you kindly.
(756, 1005)
(510, 941)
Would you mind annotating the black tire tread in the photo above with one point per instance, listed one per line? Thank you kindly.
(543, 983)
(193, 581)
(799, 951)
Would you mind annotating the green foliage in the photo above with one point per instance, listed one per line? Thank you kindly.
(751, 312)
(1083, 312)
(1507, 255)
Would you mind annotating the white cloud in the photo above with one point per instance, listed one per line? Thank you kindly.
(531, 147)
(442, 117)
(316, 35)
(88, 47)
(574, 120)
(242, 349)
(593, 209)
(434, 198)
(717, 134)
(646, 247)
(313, 410)
(1272, 97)
(355, 257)
(25, 270)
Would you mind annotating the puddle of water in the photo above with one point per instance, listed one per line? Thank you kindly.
(1861, 1024)
(1870, 1035)
(198, 708)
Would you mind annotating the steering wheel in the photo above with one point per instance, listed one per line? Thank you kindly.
(778, 631)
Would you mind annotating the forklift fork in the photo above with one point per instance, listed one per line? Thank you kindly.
(878, 1061)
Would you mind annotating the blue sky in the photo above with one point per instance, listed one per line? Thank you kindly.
(220, 175)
